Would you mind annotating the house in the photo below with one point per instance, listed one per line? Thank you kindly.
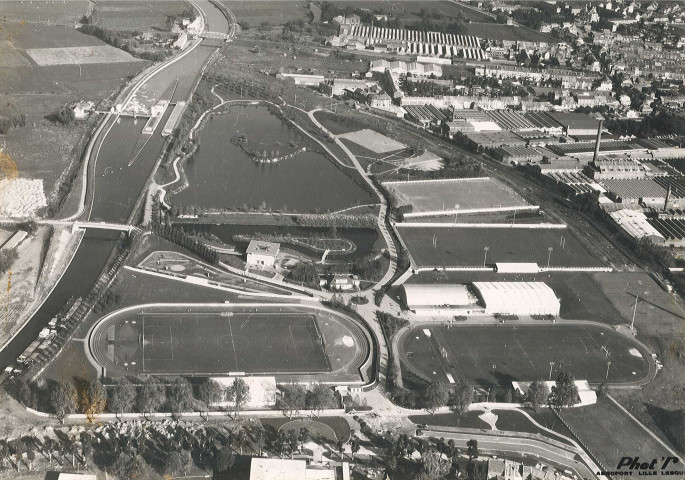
(181, 41)
(262, 254)
(344, 283)
(82, 109)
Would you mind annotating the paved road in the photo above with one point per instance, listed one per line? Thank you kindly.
(535, 448)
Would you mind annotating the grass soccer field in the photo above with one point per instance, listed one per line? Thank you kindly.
(158, 343)
(456, 246)
(492, 355)
(457, 194)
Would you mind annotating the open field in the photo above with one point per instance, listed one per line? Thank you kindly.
(273, 12)
(579, 292)
(459, 194)
(374, 141)
(465, 246)
(488, 355)
(79, 55)
(214, 339)
(494, 31)
(610, 434)
(65, 12)
(410, 9)
(136, 15)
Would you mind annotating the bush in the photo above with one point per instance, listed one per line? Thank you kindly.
(390, 324)
(66, 115)
(7, 258)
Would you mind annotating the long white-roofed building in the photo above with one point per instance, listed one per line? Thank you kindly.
(517, 298)
(437, 299)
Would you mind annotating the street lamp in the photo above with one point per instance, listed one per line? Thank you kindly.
(549, 255)
(485, 258)
(551, 366)
(632, 323)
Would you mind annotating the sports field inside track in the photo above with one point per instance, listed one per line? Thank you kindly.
(214, 339)
(491, 355)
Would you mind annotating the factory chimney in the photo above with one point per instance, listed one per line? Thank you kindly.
(599, 139)
(668, 198)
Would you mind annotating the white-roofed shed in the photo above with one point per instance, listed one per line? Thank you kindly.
(518, 298)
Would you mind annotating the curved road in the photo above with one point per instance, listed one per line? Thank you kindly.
(113, 185)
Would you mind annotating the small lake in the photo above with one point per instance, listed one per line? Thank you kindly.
(363, 238)
(222, 175)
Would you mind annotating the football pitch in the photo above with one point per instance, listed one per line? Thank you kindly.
(212, 343)
(493, 355)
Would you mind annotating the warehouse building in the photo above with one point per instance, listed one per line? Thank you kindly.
(437, 299)
(575, 123)
(517, 298)
(516, 154)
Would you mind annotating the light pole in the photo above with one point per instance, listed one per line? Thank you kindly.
(551, 366)
(485, 258)
(549, 255)
(632, 323)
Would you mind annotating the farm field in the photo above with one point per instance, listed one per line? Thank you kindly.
(579, 292)
(275, 13)
(60, 12)
(610, 434)
(136, 15)
(459, 194)
(208, 340)
(78, 55)
(465, 246)
(497, 355)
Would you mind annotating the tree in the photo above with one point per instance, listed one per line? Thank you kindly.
(602, 390)
(63, 399)
(259, 437)
(462, 396)
(17, 447)
(66, 115)
(320, 397)
(94, 400)
(224, 460)
(434, 464)
(292, 399)
(178, 463)
(537, 394)
(4, 452)
(355, 447)
(564, 391)
(239, 393)
(435, 396)
(341, 449)
(7, 259)
(150, 396)
(30, 456)
(305, 273)
(127, 467)
(122, 397)
(472, 449)
(304, 435)
(210, 392)
(293, 441)
(179, 395)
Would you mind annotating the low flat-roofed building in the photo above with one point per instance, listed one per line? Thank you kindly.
(517, 154)
(301, 79)
(262, 254)
(575, 123)
(633, 191)
(286, 469)
(436, 298)
(479, 141)
(636, 225)
(517, 298)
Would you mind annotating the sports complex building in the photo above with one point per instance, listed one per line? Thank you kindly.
(481, 298)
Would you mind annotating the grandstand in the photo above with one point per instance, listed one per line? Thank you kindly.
(509, 120)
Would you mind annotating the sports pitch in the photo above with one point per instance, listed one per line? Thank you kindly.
(79, 55)
(374, 141)
(456, 246)
(206, 343)
(488, 355)
(458, 194)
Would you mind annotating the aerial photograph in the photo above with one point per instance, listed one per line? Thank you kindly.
(342, 239)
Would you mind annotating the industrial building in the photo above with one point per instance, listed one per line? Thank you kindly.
(516, 154)
(517, 298)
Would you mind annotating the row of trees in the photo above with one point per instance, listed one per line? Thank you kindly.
(176, 396)
(10, 119)
(182, 239)
(295, 398)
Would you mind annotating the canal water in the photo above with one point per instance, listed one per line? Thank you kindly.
(222, 175)
(363, 238)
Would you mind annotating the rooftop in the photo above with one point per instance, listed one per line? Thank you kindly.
(259, 247)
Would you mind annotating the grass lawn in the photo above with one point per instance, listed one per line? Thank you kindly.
(337, 125)
(136, 15)
(610, 434)
(490, 355)
(466, 246)
(44, 11)
(338, 425)
(511, 420)
(465, 420)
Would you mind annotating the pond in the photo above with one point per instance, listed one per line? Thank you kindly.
(363, 239)
(223, 175)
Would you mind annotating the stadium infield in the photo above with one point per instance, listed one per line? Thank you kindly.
(457, 194)
(497, 355)
(213, 340)
(459, 246)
